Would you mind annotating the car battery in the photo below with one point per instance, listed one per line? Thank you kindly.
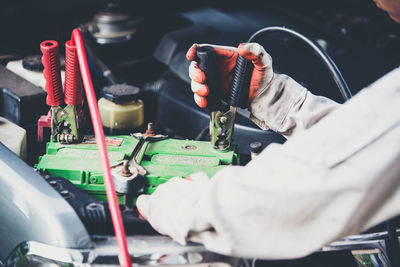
(162, 160)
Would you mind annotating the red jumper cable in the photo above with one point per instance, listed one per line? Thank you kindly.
(124, 257)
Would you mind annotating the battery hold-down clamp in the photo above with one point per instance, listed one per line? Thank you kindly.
(129, 176)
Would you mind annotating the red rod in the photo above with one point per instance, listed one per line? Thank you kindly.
(124, 257)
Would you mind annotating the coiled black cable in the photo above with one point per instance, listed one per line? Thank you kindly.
(328, 62)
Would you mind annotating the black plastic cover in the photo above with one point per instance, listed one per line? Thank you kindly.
(21, 101)
(172, 48)
(95, 214)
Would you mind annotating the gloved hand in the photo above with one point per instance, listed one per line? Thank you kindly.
(173, 208)
(226, 59)
(276, 101)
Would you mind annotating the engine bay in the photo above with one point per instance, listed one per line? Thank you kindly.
(137, 58)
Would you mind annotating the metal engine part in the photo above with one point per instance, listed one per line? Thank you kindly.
(144, 251)
(110, 27)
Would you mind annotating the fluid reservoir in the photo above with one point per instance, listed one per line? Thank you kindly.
(31, 69)
(120, 109)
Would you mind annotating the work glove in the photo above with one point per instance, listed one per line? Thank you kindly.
(276, 101)
(226, 60)
(173, 209)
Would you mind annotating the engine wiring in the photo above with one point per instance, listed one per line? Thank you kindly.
(328, 62)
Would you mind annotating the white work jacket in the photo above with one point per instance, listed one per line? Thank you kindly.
(337, 174)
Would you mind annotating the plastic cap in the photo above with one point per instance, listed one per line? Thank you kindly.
(256, 147)
(120, 93)
(33, 63)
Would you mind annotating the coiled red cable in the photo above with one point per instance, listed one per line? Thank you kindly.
(124, 257)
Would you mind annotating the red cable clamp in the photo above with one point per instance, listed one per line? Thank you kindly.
(51, 72)
(73, 81)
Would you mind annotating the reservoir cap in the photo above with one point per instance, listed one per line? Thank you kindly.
(33, 63)
(120, 93)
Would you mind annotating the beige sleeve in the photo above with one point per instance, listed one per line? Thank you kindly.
(287, 107)
(335, 179)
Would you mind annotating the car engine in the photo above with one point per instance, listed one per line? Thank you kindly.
(53, 195)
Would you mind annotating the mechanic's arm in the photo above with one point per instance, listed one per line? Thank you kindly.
(335, 179)
(286, 107)
(276, 101)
